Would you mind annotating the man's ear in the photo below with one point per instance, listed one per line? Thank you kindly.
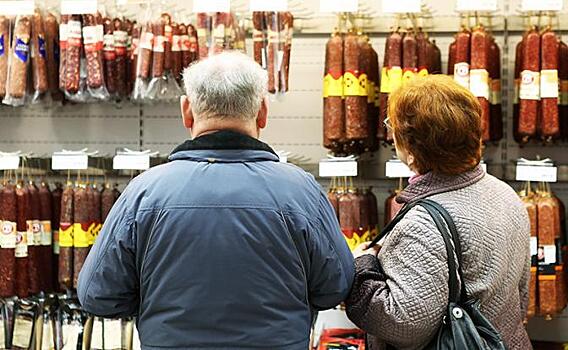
(262, 117)
(186, 113)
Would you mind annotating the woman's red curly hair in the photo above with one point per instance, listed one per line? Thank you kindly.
(439, 122)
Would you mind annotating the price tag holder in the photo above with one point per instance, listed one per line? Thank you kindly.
(537, 173)
(211, 6)
(131, 162)
(9, 162)
(337, 168)
(330, 6)
(69, 162)
(402, 6)
(17, 7)
(542, 5)
(272, 5)
(78, 7)
(476, 5)
(397, 169)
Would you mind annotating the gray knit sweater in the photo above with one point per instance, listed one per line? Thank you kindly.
(400, 298)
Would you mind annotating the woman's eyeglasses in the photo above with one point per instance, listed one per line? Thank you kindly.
(387, 123)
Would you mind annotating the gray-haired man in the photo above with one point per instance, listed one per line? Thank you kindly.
(223, 247)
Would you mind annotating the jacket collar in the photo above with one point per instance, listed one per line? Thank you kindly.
(430, 184)
(224, 146)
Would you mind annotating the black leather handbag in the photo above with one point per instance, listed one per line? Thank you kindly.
(463, 326)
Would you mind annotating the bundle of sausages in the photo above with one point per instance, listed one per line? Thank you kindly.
(26, 252)
(46, 235)
(350, 90)
(475, 62)
(161, 49)
(540, 68)
(83, 211)
(357, 213)
(272, 44)
(408, 54)
(547, 292)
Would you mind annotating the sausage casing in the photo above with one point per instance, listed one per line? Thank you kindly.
(529, 88)
(549, 119)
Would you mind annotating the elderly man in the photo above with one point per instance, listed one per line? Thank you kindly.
(223, 247)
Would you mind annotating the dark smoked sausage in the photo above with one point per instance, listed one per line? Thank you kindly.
(22, 270)
(66, 239)
(8, 219)
(46, 241)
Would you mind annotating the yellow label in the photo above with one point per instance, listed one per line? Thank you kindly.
(423, 72)
(332, 86)
(395, 78)
(65, 235)
(350, 84)
(97, 230)
(385, 86)
(371, 92)
(92, 228)
(407, 76)
(363, 84)
(80, 236)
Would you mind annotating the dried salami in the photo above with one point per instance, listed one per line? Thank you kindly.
(66, 239)
(8, 220)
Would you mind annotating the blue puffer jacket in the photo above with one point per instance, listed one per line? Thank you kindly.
(221, 248)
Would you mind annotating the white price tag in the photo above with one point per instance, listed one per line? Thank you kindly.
(397, 169)
(534, 246)
(542, 5)
(549, 254)
(402, 6)
(17, 7)
(476, 5)
(211, 5)
(337, 168)
(9, 162)
(339, 5)
(536, 173)
(131, 162)
(484, 167)
(69, 162)
(272, 5)
(78, 7)
(283, 158)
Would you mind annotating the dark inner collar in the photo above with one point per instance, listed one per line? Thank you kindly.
(224, 140)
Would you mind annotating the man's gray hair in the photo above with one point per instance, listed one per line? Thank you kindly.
(227, 85)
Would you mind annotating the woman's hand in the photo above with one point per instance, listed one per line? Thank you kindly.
(363, 249)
